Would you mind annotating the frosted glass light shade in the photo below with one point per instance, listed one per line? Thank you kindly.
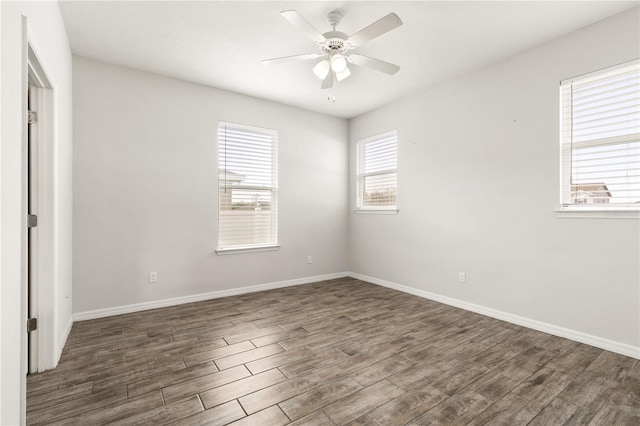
(321, 70)
(343, 74)
(338, 63)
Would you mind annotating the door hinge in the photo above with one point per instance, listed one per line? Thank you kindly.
(32, 117)
(32, 324)
(32, 221)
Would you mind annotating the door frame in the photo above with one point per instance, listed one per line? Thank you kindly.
(42, 291)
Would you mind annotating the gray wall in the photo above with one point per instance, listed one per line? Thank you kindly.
(145, 167)
(478, 185)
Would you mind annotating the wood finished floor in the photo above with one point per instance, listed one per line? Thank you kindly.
(335, 352)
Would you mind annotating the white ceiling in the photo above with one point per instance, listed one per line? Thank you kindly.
(221, 44)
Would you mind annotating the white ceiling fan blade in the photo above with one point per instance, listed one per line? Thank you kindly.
(303, 57)
(298, 20)
(376, 29)
(376, 64)
(327, 83)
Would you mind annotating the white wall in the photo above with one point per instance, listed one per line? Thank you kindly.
(478, 185)
(145, 193)
(48, 36)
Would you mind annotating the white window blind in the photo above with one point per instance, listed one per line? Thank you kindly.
(600, 126)
(377, 162)
(248, 187)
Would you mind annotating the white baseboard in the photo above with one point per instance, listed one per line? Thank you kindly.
(136, 307)
(578, 336)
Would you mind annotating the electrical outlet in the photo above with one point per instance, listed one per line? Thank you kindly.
(309, 259)
(153, 277)
(462, 277)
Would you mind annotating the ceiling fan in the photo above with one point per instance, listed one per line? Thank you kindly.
(335, 46)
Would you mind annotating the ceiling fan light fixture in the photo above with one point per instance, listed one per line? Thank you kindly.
(335, 47)
(321, 70)
(343, 74)
(338, 63)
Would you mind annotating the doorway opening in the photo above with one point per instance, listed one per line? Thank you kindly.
(39, 161)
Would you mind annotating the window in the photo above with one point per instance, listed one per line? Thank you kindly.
(377, 158)
(248, 188)
(600, 137)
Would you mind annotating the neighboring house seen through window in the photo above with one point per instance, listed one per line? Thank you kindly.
(377, 158)
(600, 136)
(248, 187)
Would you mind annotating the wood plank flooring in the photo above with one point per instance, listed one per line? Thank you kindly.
(334, 352)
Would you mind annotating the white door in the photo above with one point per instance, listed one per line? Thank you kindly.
(32, 232)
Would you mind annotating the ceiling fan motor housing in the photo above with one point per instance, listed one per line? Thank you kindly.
(336, 42)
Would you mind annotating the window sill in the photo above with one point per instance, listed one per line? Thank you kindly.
(569, 213)
(240, 250)
(376, 211)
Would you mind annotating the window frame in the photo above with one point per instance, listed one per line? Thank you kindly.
(360, 208)
(274, 190)
(566, 150)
